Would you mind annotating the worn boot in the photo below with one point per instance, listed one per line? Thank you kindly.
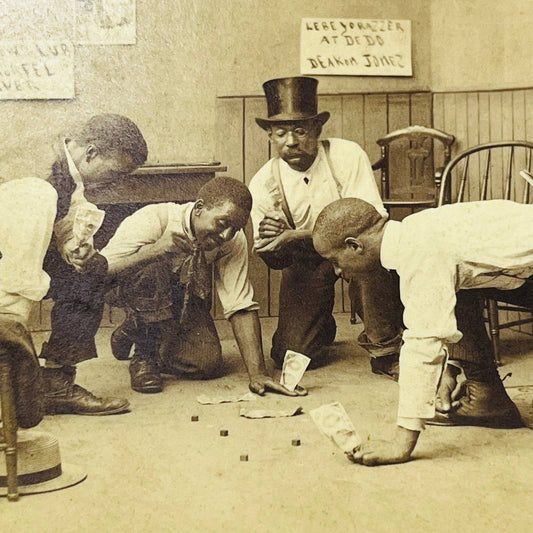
(62, 396)
(481, 404)
(386, 365)
(121, 343)
(123, 338)
(145, 375)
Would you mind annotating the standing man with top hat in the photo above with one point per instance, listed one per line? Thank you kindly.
(289, 192)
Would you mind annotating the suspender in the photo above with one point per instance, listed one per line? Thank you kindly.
(325, 143)
(279, 188)
(279, 185)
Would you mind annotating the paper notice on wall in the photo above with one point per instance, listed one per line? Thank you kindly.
(36, 70)
(355, 47)
(105, 21)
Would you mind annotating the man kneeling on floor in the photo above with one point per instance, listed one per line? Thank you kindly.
(162, 256)
(477, 245)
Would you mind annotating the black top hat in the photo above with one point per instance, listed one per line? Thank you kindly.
(291, 99)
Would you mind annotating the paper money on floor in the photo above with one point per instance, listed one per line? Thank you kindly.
(333, 421)
(234, 398)
(269, 413)
(294, 366)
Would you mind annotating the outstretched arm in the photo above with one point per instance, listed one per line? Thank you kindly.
(247, 331)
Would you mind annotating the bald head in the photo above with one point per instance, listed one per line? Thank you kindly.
(348, 217)
(348, 234)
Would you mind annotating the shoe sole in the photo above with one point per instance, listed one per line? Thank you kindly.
(394, 377)
(492, 423)
(60, 411)
(148, 390)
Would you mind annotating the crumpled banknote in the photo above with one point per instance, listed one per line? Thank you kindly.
(294, 366)
(87, 222)
(233, 398)
(333, 421)
(269, 413)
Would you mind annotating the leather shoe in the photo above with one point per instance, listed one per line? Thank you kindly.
(121, 344)
(62, 396)
(481, 404)
(145, 376)
(386, 365)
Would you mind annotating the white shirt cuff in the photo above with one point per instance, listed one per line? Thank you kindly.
(414, 424)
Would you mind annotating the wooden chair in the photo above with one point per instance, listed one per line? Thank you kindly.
(410, 172)
(410, 175)
(485, 172)
(8, 439)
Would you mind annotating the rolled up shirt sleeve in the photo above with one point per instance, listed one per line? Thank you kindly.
(427, 289)
(144, 227)
(232, 282)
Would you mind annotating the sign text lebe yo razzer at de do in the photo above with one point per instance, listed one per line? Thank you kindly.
(356, 47)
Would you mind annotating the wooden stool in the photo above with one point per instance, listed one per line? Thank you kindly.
(8, 442)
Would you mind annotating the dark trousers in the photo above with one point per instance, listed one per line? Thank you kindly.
(182, 343)
(78, 298)
(475, 346)
(306, 299)
(77, 312)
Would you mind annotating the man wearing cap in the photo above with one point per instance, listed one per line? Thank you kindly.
(289, 192)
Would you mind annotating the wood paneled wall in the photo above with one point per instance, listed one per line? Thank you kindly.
(243, 147)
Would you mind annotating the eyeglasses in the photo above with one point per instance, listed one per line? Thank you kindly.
(282, 132)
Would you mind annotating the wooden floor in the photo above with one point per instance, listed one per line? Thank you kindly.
(153, 470)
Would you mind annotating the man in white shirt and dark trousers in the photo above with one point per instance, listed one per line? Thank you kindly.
(289, 192)
(36, 227)
(162, 257)
(486, 246)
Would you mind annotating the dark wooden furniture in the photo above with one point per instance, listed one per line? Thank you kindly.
(156, 183)
(486, 172)
(8, 439)
(410, 174)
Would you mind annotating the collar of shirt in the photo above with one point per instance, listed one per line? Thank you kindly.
(186, 223)
(79, 193)
(73, 169)
(390, 244)
(289, 172)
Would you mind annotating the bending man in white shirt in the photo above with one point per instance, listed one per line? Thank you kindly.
(162, 256)
(437, 252)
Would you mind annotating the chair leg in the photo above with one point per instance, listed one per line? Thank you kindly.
(9, 422)
(494, 329)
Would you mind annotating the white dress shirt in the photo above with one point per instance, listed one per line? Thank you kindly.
(28, 208)
(437, 252)
(307, 193)
(230, 260)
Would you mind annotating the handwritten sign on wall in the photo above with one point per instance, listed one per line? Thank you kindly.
(356, 47)
(36, 70)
